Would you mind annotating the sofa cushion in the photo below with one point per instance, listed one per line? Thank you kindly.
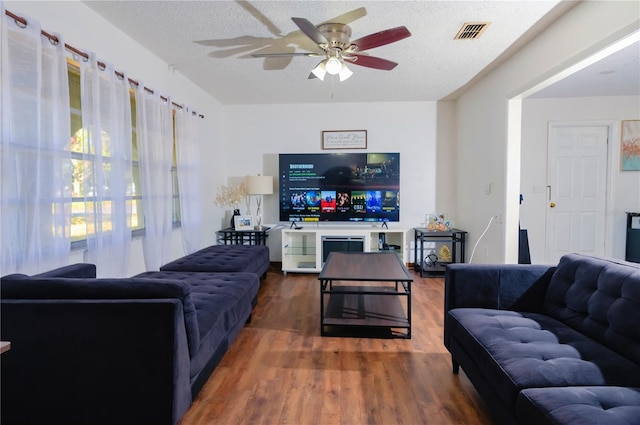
(579, 405)
(222, 301)
(15, 276)
(600, 298)
(524, 350)
(77, 270)
(224, 258)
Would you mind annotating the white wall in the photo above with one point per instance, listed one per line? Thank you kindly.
(446, 164)
(256, 134)
(624, 190)
(482, 120)
(87, 31)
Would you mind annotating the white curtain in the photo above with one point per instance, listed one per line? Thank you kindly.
(154, 128)
(106, 158)
(35, 194)
(188, 164)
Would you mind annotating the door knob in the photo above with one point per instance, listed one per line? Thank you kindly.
(552, 205)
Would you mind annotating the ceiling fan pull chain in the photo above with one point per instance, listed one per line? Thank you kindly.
(333, 85)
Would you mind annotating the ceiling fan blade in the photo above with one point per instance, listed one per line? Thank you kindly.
(349, 17)
(280, 55)
(260, 17)
(371, 62)
(310, 30)
(381, 38)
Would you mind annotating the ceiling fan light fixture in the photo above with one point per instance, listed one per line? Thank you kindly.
(321, 70)
(333, 41)
(334, 66)
(345, 73)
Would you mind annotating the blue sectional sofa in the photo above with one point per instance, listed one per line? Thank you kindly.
(115, 351)
(548, 345)
(224, 258)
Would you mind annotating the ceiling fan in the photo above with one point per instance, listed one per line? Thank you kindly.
(336, 49)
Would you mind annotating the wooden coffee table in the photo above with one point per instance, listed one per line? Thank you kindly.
(364, 293)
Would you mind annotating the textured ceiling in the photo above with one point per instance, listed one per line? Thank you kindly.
(211, 42)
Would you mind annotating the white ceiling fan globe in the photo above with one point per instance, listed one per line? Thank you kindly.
(334, 66)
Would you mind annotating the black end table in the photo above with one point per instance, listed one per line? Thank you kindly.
(455, 239)
(231, 236)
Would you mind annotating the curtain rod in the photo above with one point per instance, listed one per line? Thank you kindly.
(21, 21)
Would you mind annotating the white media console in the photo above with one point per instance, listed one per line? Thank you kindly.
(305, 250)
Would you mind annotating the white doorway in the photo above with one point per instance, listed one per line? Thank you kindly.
(577, 190)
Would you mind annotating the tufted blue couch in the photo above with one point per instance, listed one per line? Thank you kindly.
(115, 351)
(548, 345)
(224, 258)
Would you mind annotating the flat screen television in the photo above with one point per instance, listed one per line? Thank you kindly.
(339, 187)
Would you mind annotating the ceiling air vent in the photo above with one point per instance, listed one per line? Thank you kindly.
(471, 30)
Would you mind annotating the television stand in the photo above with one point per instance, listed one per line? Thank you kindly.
(303, 249)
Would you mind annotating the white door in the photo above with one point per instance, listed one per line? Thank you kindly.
(576, 198)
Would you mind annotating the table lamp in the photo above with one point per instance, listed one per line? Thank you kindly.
(259, 186)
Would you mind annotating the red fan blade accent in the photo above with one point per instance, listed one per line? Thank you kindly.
(310, 30)
(381, 38)
(371, 62)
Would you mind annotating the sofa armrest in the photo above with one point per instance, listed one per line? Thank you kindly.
(79, 270)
(94, 362)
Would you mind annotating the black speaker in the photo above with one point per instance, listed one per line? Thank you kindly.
(633, 237)
(524, 256)
(382, 241)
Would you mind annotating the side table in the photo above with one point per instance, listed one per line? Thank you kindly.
(430, 264)
(231, 236)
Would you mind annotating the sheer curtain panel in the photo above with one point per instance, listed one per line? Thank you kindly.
(154, 129)
(106, 145)
(35, 193)
(188, 164)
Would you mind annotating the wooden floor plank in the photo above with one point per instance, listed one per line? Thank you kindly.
(281, 371)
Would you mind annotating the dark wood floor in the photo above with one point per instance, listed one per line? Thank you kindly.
(281, 371)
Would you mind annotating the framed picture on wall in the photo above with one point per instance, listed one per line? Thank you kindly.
(630, 146)
(344, 139)
(243, 222)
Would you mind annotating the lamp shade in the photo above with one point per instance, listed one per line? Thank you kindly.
(320, 71)
(259, 185)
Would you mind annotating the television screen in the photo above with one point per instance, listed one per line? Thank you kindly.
(352, 187)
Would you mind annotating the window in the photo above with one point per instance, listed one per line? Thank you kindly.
(83, 184)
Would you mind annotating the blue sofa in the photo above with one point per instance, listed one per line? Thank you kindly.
(115, 351)
(548, 345)
(224, 258)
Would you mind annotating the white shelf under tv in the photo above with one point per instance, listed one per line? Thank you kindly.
(302, 248)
